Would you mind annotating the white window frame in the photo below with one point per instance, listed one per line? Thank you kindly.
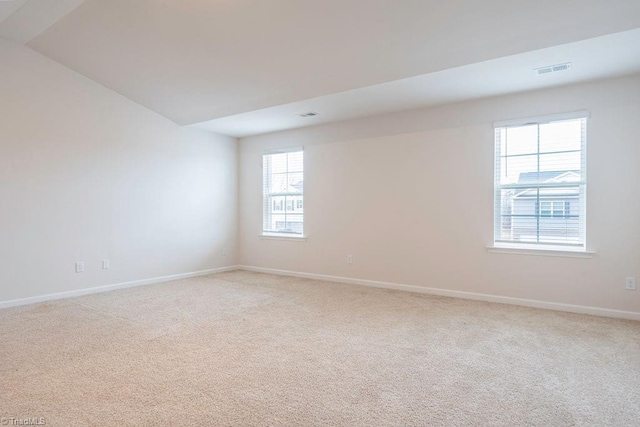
(267, 234)
(547, 248)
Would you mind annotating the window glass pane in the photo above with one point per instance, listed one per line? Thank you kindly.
(295, 182)
(279, 182)
(521, 140)
(561, 136)
(522, 201)
(278, 203)
(278, 163)
(295, 162)
(289, 205)
(557, 209)
(289, 227)
(566, 164)
(520, 170)
(559, 230)
(501, 147)
(511, 213)
(545, 208)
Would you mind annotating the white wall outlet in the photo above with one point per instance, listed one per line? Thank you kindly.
(630, 284)
(349, 259)
(79, 267)
(225, 251)
(106, 264)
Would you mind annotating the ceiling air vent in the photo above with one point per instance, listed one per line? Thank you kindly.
(553, 68)
(309, 114)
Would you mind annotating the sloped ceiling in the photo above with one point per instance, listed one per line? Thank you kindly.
(8, 8)
(199, 60)
(22, 20)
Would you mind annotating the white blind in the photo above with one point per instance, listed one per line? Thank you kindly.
(283, 192)
(540, 183)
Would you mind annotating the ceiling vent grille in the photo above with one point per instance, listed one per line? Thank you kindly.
(309, 114)
(553, 68)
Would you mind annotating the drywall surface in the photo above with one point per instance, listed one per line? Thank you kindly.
(410, 197)
(87, 175)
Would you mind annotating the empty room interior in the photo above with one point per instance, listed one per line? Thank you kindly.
(319, 213)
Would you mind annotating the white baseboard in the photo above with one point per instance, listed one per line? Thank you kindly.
(595, 311)
(107, 288)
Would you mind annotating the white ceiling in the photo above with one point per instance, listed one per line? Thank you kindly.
(25, 19)
(601, 57)
(8, 8)
(249, 66)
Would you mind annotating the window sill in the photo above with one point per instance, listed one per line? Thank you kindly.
(541, 251)
(289, 237)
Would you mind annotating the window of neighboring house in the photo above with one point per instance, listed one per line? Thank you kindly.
(283, 183)
(540, 182)
(555, 209)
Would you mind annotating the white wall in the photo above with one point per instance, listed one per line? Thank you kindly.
(86, 175)
(410, 196)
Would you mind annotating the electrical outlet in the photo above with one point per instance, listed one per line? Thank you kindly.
(106, 264)
(630, 284)
(225, 251)
(79, 267)
(349, 259)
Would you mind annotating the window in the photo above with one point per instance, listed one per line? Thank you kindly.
(283, 183)
(540, 182)
(554, 209)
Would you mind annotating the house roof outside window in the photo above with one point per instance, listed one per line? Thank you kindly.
(535, 178)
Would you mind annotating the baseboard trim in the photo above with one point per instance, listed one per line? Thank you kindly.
(107, 288)
(595, 311)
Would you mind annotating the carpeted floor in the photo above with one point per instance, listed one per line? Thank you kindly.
(248, 349)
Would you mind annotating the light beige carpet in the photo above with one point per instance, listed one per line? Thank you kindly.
(249, 349)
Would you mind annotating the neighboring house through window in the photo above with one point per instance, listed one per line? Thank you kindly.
(283, 183)
(540, 182)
